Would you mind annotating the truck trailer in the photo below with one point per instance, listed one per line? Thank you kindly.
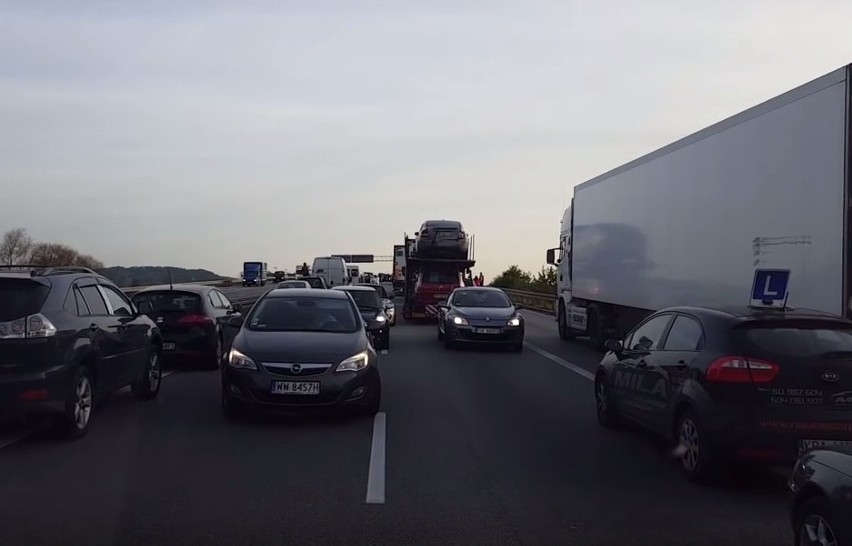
(430, 281)
(690, 224)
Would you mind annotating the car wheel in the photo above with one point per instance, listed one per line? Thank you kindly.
(693, 447)
(371, 408)
(606, 412)
(148, 386)
(74, 421)
(814, 523)
(232, 409)
(215, 359)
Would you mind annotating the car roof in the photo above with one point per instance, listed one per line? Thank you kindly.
(446, 223)
(742, 313)
(307, 292)
(354, 288)
(478, 289)
(192, 288)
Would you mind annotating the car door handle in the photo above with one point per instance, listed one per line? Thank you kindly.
(93, 327)
(681, 363)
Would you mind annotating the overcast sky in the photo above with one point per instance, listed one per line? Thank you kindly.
(216, 132)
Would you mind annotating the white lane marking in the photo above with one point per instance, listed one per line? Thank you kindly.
(20, 436)
(383, 352)
(376, 475)
(562, 362)
(168, 373)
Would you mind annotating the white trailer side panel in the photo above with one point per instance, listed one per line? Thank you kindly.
(689, 224)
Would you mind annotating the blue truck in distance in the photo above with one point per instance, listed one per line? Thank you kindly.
(254, 273)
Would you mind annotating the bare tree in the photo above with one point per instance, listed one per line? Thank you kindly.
(15, 246)
(52, 254)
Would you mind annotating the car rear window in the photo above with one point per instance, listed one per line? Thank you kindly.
(170, 301)
(817, 339)
(365, 299)
(315, 282)
(21, 297)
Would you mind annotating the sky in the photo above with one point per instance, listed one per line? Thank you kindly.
(210, 133)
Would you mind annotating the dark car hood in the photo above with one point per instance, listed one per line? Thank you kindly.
(369, 316)
(494, 313)
(299, 346)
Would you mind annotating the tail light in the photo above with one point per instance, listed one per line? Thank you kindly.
(30, 327)
(739, 369)
(195, 320)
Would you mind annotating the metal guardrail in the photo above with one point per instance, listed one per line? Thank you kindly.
(533, 300)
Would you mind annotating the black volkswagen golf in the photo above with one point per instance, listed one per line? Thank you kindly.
(301, 348)
(744, 383)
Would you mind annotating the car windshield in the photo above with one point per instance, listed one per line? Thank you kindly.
(303, 314)
(804, 340)
(365, 299)
(20, 297)
(170, 301)
(481, 298)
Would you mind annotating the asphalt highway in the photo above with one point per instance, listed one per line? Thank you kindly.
(470, 447)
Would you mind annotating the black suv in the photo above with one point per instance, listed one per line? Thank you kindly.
(67, 336)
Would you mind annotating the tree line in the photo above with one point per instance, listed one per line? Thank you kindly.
(18, 248)
(515, 278)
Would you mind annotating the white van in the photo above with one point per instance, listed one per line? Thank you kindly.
(354, 274)
(332, 269)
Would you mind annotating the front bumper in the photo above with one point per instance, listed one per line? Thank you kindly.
(508, 335)
(336, 390)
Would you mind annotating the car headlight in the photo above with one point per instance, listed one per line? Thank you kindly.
(237, 359)
(354, 363)
(460, 321)
(380, 318)
(515, 321)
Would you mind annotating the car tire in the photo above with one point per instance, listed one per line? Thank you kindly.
(147, 387)
(73, 423)
(371, 407)
(214, 360)
(604, 407)
(814, 517)
(233, 410)
(697, 455)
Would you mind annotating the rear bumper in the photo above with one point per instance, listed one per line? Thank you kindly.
(34, 393)
(191, 344)
(774, 438)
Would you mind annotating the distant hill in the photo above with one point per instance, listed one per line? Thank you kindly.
(148, 275)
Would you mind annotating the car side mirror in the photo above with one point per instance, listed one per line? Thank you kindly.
(519, 307)
(235, 308)
(235, 322)
(615, 345)
(145, 307)
(443, 305)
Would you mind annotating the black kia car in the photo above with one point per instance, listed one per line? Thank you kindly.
(192, 320)
(729, 384)
(480, 315)
(67, 337)
(301, 348)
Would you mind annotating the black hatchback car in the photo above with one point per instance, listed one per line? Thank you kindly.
(745, 383)
(301, 348)
(68, 336)
(192, 320)
(373, 312)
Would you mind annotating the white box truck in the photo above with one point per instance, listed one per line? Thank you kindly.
(689, 224)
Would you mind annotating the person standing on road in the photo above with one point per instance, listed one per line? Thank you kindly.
(481, 279)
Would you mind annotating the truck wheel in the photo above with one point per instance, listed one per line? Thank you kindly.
(597, 336)
(564, 331)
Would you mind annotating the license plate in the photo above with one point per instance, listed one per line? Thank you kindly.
(488, 330)
(168, 346)
(295, 387)
(441, 296)
(808, 445)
